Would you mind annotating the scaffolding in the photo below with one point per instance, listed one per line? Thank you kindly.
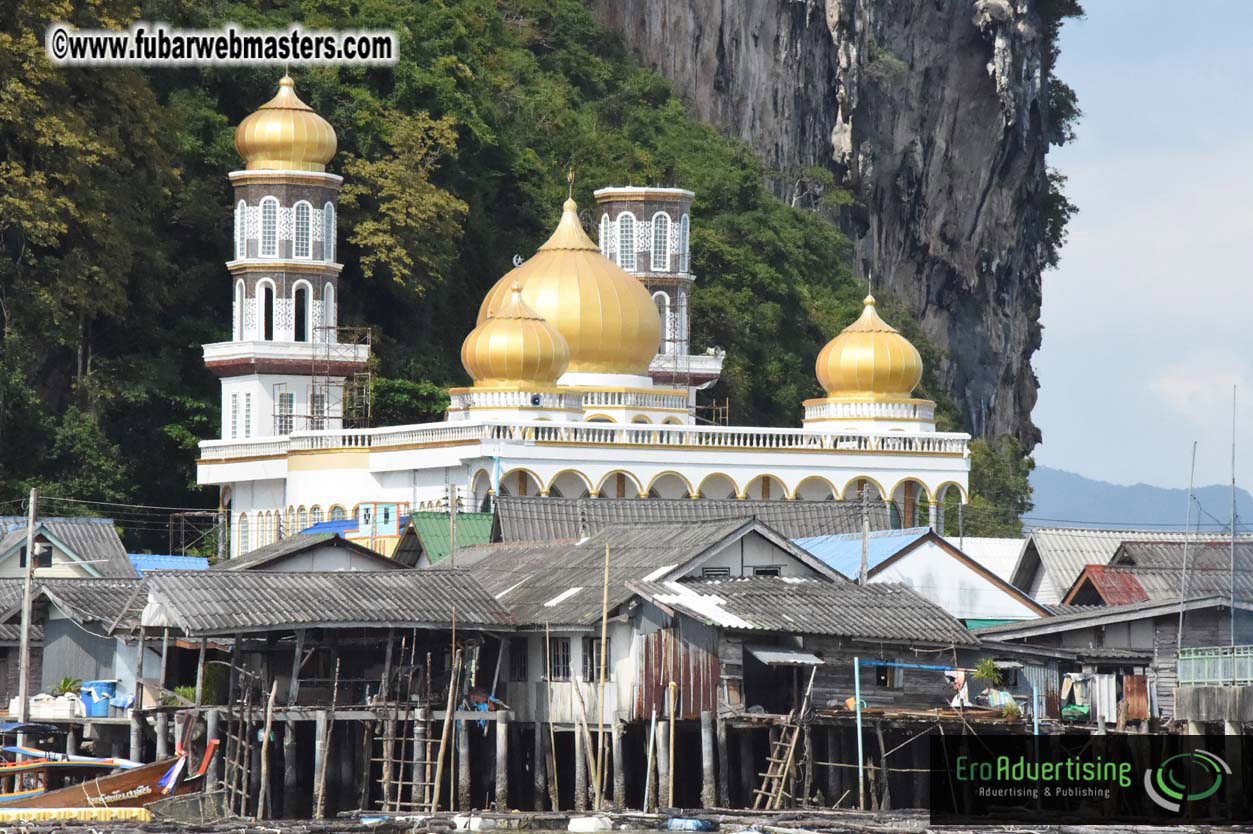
(338, 400)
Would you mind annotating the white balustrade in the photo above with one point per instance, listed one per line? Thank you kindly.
(863, 411)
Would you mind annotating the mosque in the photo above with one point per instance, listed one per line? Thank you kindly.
(584, 385)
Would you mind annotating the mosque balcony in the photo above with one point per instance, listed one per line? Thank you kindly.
(461, 401)
(681, 368)
(635, 399)
(256, 356)
(922, 411)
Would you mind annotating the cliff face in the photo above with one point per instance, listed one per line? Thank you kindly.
(933, 113)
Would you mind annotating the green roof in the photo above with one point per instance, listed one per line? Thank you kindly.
(432, 530)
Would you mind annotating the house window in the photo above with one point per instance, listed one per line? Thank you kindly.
(604, 237)
(302, 243)
(559, 658)
(683, 244)
(338, 513)
(888, 677)
(715, 573)
(241, 250)
(661, 242)
(517, 659)
(315, 515)
(591, 659)
(243, 534)
(769, 570)
(328, 233)
(285, 403)
(317, 410)
(234, 416)
(247, 415)
(269, 228)
(626, 241)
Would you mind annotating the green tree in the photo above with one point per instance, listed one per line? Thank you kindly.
(1000, 490)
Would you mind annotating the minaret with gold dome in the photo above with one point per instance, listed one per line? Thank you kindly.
(869, 372)
(283, 370)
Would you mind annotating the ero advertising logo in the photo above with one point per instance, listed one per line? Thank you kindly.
(1185, 777)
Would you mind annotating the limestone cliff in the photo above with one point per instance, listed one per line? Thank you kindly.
(934, 113)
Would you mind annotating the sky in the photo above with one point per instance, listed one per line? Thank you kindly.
(1148, 320)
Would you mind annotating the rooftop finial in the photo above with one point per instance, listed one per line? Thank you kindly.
(570, 183)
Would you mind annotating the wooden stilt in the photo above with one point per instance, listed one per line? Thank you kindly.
(539, 768)
(463, 765)
(502, 761)
(213, 733)
(263, 798)
(319, 759)
(291, 753)
(580, 773)
(748, 772)
(709, 787)
(663, 764)
(724, 768)
(835, 756)
(619, 771)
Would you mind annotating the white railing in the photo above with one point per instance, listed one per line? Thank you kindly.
(514, 399)
(633, 399)
(597, 434)
(1216, 666)
(862, 411)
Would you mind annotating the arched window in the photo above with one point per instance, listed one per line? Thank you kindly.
(242, 532)
(315, 515)
(302, 234)
(302, 519)
(328, 233)
(338, 513)
(683, 244)
(269, 228)
(237, 312)
(300, 304)
(661, 242)
(663, 309)
(241, 230)
(265, 298)
(604, 236)
(328, 308)
(626, 241)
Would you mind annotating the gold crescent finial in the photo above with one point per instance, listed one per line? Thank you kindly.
(570, 182)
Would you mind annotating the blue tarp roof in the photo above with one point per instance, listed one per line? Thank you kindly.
(348, 525)
(145, 562)
(843, 551)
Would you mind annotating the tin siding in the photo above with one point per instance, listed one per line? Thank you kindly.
(71, 652)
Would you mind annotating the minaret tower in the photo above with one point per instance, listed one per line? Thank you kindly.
(647, 231)
(283, 369)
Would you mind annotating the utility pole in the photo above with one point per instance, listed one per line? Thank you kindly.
(1233, 535)
(23, 683)
(865, 536)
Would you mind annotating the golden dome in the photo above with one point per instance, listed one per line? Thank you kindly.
(285, 134)
(515, 347)
(607, 316)
(869, 359)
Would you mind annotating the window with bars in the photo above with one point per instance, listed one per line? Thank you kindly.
(604, 237)
(269, 228)
(328, 233)
(286, 402)
(238, 311)
(559, 658)
(243, 534)
(317, 411)
(626, 241)
(302, 519)
(315, 515)
(684, 228)
(247, 415)
(302, 240)
(234, 416)
(338, 513)
(591, 659)
(518, 670)
(241, 231)
(661, 242)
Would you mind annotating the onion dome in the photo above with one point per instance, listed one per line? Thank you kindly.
(869, 359)
(285, 134)
(515, 347)
(606, 315)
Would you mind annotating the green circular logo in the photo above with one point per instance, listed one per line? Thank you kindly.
(1185, 777)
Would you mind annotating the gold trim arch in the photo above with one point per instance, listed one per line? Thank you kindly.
(735, 488)
(796, 493)
(670, 473)
(639, 491)
(552, 484)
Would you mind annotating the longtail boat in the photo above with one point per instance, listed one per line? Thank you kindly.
(129, 788)
(38, 772)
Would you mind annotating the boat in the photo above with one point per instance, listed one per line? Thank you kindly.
(36, 772)
(128, 788)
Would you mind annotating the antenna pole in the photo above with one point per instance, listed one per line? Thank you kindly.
(1183, 573)
(1233, 534)
(23, 683)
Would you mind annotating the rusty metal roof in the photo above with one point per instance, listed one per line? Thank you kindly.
(880, 611)
(544, 519)
(229, 602)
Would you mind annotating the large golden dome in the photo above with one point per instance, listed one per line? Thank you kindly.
(285, 134)
(515, 347)
(869, 359)
(607, 316)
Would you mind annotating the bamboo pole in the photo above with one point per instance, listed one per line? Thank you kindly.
(265, 752)
(443, 737)
(674, 691)
(599, 779)
(320, 800)
(649, 775)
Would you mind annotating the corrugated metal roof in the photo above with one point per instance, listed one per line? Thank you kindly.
(1080, 616)
(227, 602)
(1152, 571)
(843, 552)
(348, 525)
(561, 583)
(878, 611)
(146, 562)
(433, 532)
(299, 543)
(776, 656)
(996, 554)
(1065, 551)
(93, 540)
(545, 519)
(88, 600)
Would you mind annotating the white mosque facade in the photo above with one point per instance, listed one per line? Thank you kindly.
(584, 384)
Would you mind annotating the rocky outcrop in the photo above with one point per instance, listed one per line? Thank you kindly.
(933, 113)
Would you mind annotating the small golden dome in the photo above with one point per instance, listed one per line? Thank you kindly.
(285, 134)
(607, 316)
(869, 359)
(515, 347)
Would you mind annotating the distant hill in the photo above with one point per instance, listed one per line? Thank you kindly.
(1064, 499)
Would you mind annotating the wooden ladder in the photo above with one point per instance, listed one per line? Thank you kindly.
(782, 757)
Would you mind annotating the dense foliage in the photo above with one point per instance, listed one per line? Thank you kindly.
(115, 220)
